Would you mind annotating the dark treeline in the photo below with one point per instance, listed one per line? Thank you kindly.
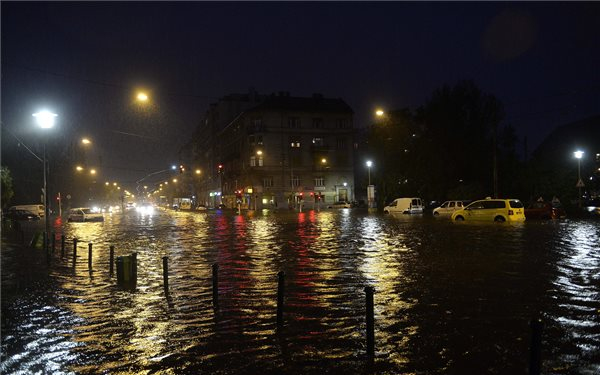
(457, 146)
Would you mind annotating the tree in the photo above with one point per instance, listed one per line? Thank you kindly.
(459, 142)
(7, 186)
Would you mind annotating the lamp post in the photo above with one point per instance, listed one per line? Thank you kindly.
(45, 120)
(578, 155)
(370, 188)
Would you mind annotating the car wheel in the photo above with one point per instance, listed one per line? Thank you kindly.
(436, 214)
(459, 218)
(499, 219)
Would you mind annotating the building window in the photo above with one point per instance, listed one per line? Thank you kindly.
(341, 123)
(257, 122)
(268, 182)
(256, 160)
(295, 142)
(340, 143)
(319, 181)
(251, 140)
(294, 122)
(318, 141)
(295, 181)
(259, 140)
(317, 123)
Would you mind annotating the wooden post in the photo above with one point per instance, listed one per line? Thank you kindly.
(74, 251)
(90, 256)
(280, 297)
(111, 260)
(62, 245)
(166, 274)
(535, 351)
(370, 322)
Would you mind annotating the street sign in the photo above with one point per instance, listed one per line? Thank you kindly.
(580, 183)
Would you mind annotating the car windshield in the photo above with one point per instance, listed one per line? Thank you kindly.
(86, 211)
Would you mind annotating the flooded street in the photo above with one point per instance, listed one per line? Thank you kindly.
(450, 298)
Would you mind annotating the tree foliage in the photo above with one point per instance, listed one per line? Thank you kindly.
(7, 186)
(445, 149)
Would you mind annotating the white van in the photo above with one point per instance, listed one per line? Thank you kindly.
(404, 206)
(36, 209)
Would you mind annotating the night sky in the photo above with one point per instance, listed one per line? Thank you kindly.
(86, 60)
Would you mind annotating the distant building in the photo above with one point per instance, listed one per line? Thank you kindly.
(277, 151)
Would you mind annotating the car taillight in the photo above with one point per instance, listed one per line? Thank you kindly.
(510, 212)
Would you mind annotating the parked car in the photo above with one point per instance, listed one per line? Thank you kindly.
(340, 204)
(201, 207)
(544, 210)
(404, 206)
(36, 209)
(20, 215)
(448, 207)
(83, 214)
(498, 210)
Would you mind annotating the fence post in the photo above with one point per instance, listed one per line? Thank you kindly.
(535, 351)
(111, 260)
(62, 245)
(134, 269)
(74, 251)
(90, 256)
(166, 274)
(215, 285)
(280, 297)
(370, 322)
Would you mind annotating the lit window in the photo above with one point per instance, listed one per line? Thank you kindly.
(253, 161)
(319, 181)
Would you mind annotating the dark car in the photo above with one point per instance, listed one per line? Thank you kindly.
(21, 215)
(544, 211)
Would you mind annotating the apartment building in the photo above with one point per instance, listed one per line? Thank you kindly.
(285, 152)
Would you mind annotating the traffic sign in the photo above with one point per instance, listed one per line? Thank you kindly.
(580, 183)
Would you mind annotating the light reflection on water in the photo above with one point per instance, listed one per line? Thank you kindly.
(449, 298)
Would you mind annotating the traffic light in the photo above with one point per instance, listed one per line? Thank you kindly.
(301, 197)
(181, 169)
(220, 168)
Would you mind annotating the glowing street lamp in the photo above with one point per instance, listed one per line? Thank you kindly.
(578, 155)
(142, 97)
(379, 112)
(86, 141)
(370, 188)
(369, 165)
(46, 120)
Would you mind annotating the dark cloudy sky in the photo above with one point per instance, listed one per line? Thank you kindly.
(85, 60)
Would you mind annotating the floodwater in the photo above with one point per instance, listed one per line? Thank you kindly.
(450, 298)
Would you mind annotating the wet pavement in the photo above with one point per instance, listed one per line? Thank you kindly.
(450, 298)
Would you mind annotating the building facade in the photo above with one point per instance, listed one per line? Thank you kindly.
(284, 152)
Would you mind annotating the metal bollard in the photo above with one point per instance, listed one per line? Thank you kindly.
(215, 285)
(370, 322)
(90, 256)
(166, 274)
(280, 297)
(111, 260)
(45, 237)
(134, 269)
(535, 351)
(62, 245)
(74, 251)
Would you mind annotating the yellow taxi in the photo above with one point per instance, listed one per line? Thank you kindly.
(498, 210)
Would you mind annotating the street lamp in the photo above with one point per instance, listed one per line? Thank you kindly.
(46, 120)
(578, 155)
(370, 188)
